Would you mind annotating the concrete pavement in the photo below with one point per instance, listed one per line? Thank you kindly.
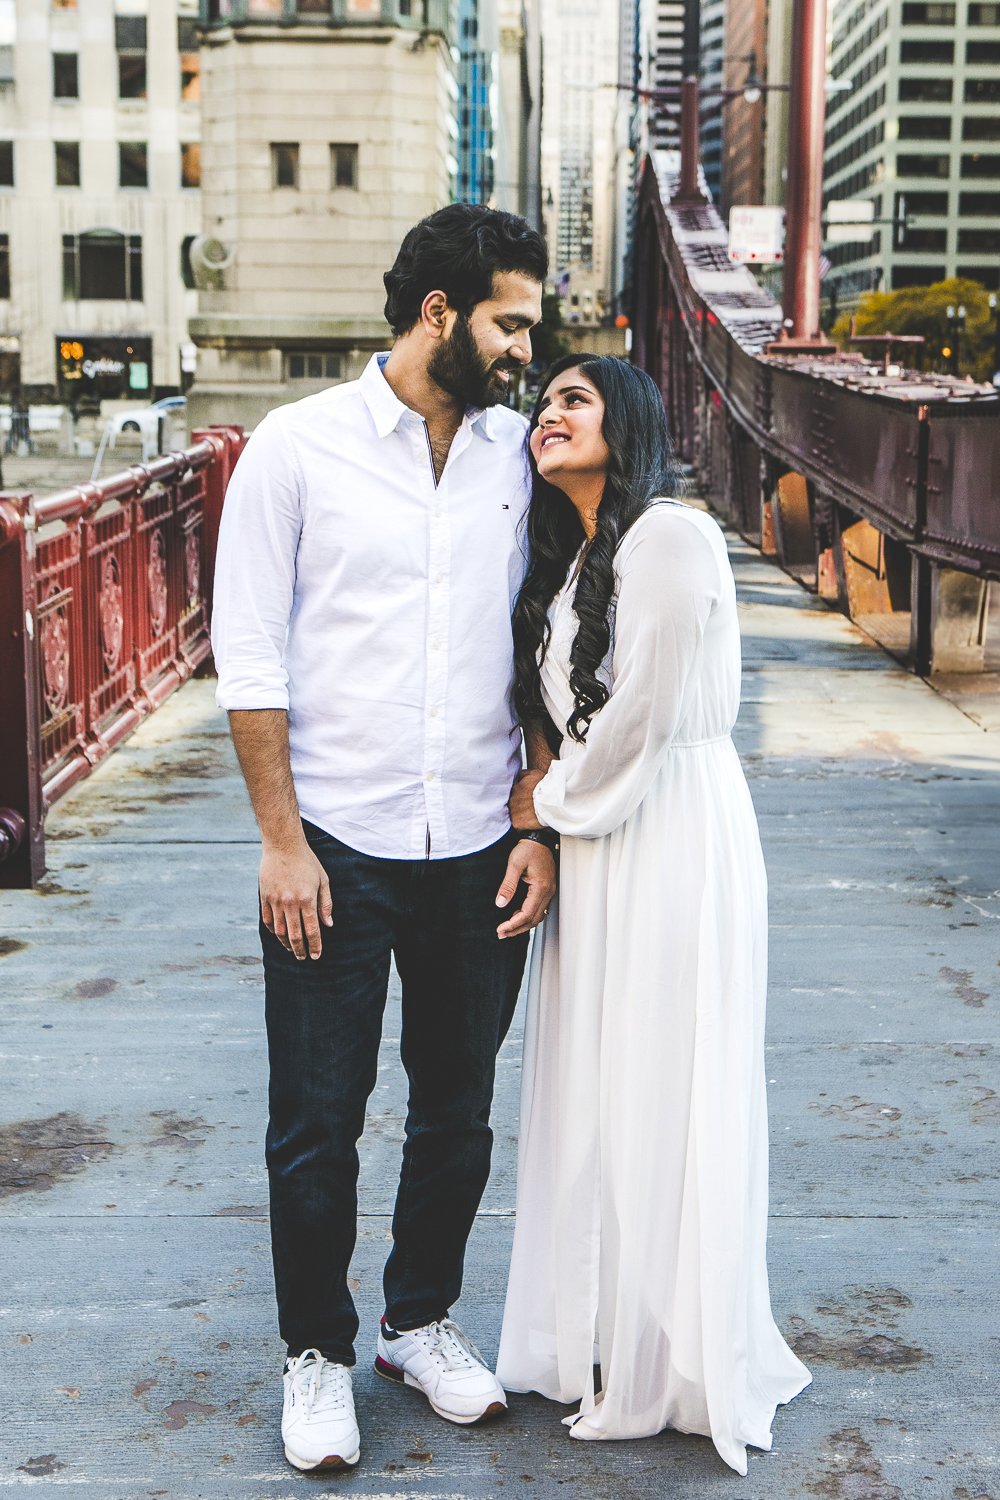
(137, 1342)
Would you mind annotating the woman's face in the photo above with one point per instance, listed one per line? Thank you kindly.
(567, 444)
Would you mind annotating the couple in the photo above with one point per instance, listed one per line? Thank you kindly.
(371, 557)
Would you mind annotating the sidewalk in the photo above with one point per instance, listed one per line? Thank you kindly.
(137, 1331)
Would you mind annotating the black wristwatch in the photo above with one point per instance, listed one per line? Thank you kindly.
(547, 836)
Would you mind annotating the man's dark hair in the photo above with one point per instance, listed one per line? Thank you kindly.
(458, 250)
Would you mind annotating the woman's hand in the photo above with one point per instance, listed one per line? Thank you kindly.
(521, 806)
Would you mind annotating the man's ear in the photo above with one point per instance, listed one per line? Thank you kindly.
(434, 314)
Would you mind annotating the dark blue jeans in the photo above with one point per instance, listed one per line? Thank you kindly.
(324, 1026)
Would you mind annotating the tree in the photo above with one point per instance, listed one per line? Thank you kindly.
(924, 310)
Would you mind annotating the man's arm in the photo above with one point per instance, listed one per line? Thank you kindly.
(294, 889)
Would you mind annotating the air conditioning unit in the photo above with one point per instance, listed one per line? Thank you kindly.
(208, 259)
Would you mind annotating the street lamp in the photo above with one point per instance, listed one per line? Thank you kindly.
(995, 310)
(956, 325)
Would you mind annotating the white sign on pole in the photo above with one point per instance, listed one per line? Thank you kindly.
(850, 221)
(757, 235)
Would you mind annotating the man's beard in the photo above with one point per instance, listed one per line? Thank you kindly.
(458, 367)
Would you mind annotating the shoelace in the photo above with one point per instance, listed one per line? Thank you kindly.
(320, 1384)
(448, 1343)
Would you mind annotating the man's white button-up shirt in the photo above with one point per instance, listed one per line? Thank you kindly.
(375, 606)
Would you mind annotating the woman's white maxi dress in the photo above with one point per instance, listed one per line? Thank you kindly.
(642, 1169)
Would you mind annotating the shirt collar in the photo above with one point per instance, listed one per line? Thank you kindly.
(387, 410)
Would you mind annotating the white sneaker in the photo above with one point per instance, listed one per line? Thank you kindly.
(318, 1425)
(446, 1365)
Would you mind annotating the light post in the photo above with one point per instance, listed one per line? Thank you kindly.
(995, 310)
(956, 325)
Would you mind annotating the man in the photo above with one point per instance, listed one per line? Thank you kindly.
(368, 562)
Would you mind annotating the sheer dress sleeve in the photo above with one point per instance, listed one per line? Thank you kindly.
(669, 585)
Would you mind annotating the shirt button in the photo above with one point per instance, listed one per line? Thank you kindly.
(435, 645)
(429, 776)
(434, 713)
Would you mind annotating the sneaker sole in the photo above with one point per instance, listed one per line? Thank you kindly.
(332, 1462)
(400, 1377)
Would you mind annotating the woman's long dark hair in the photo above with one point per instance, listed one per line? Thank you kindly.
(640, 468)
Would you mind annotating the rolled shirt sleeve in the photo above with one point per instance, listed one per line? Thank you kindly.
(669, 585)
(255, 572)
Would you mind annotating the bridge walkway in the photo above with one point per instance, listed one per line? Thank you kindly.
(137, 1326)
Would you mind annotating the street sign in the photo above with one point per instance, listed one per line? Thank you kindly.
(757, 235)
(850, 221)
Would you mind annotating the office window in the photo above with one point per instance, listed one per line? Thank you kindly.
(926, 203)
(102, 265)
(925, 239)
(926, 52)
(6, 163)
(932, 14)
(983, 205)
(284, 165)
(313, 7)
(981, 241)
(922, 166)
(64, 4)
(65, 75)
(131, 75)
(67, 163)
(4, 266)
(982, 52)
(313, 366)
(925, 90)
(980, 165)
(130, 33)
(924, 128)
(343, 166)
(984, 15)
(981, 128)
(274, 8)
(916, 276)
(133, 165)
(191, 165)
(982, 91)
(987, 276)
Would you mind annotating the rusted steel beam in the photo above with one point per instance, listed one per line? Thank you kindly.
(804, 194)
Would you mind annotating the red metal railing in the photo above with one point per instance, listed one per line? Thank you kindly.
(105, 602)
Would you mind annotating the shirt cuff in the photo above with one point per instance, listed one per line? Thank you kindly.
(548, 795)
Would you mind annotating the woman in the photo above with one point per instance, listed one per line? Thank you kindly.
(642, 1191)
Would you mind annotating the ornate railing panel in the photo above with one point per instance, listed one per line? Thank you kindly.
(105, 602)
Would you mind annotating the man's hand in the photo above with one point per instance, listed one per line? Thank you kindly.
(521, 806)
(295, 898)
(536, 866)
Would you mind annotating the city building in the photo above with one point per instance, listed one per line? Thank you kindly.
(745, 55)
(517, 140)
(580, 75)
(775, 101)
(478, 99)
(328, 130)
(99, 174)
(917, 134)
(710, 70)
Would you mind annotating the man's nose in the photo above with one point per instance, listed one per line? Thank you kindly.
(521, 350)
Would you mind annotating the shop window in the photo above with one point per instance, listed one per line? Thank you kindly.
(191, 165)
(925, 90)
(67, 154)
(284, 165)
(133, 165)
(313, 366)
(6, 164)
(982, 205)
(102, 264)
(65, 75)
(343, 166)
(924, 128)
(980, 165)
(4, 266)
